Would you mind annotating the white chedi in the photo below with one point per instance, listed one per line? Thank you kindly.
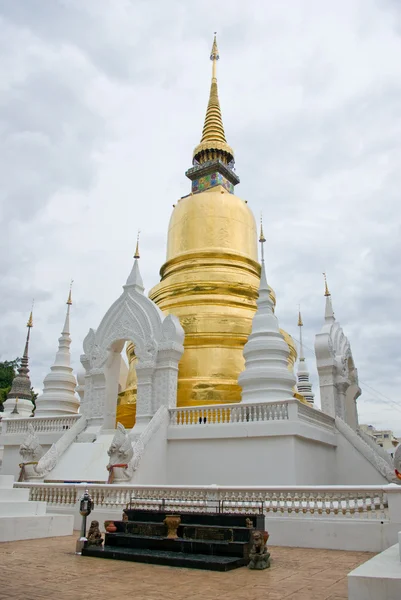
(266, 377)
(58, 397)
(304, 386)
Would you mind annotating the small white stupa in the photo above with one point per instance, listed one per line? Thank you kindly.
(58, 397)
(266, 377)
(304, 385)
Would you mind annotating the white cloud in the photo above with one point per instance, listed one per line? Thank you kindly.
(101, 105)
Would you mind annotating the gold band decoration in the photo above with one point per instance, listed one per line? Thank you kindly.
(111, 468)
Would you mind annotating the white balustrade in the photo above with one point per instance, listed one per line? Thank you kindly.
(224, 414)
(40, 424)
(229, 413)
(376, 448)
(350, 502)
(314, 416)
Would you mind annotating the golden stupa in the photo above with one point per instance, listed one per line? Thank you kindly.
(210, 279)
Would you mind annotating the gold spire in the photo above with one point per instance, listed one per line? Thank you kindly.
(213, 144)
(30, 320)
(69, 301)
(262, 240)
(326, 288)
(261, 237)
(300, 323)
(136, 255)
(214, 55)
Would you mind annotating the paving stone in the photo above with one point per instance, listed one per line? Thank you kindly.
(49, 569)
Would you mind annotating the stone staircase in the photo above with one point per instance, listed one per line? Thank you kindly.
(21, 519)
(212, 541)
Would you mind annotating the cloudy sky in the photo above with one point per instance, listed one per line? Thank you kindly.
(101, 104)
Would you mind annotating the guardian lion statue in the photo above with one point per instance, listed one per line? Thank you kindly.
(121, 454)
(31, 452)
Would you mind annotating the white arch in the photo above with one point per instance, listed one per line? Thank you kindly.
(158, 343)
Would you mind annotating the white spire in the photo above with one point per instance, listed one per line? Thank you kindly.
(304, 386)
(328, 313)
(266, 377)
(134, 280)
(58, 397)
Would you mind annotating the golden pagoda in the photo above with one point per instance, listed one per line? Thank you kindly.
(210, 279)
(211, 276)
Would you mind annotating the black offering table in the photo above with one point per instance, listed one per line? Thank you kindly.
(214, 541)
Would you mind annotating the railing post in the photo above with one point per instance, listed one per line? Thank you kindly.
(393, 492)
(292, 406)
(212, 497)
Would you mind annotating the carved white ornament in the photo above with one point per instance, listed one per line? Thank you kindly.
(30, 449)
(397, 459)
(338, 377)
(158, 339)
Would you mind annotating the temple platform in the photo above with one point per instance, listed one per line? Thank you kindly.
(21, 519)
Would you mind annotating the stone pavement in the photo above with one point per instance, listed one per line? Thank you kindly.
(48, 569)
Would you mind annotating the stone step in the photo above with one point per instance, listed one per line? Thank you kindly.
(192, 524)
(197, 519)
(192, 531)
(6, 481)
(14, 494)
(41, 526)
(181, 545)
(13, 509)
(172, 559)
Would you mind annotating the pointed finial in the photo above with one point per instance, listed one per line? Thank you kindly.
(326, 288)
(262, 239)
(300, 323)
(69, 301)
(214, 55)
(136, 255)
(30, 320)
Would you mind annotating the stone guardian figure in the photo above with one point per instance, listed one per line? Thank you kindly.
(259, 557)
(31, 452)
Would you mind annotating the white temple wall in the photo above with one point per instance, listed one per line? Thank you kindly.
(278, 460)
(315, 463)
(353, 468)
(153, 465)
(336, 534)
(239, 461)
(273, 460)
